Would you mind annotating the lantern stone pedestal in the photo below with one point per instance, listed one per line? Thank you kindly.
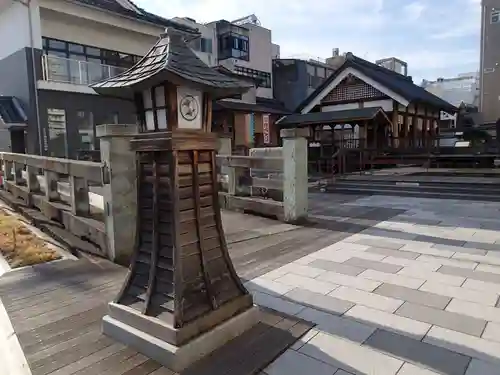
(176, 358)
(182, 298)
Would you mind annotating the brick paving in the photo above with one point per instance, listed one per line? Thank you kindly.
(416, 294)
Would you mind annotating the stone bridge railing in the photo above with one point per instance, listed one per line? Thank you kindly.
(271, 181)
(96, 202)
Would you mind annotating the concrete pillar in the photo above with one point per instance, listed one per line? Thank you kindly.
(225, 146)
(295, 184)
(120, 191)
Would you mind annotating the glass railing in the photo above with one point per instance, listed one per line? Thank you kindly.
(59, 69)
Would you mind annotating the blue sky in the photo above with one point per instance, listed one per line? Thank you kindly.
(438, 38)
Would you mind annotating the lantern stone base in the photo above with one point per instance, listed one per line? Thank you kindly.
(176, 358)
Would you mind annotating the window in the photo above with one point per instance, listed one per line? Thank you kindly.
(86, 130)
(232, 45)
(311, 73)
(76, 48)
(206, 45)
(263, 77)
(195, 44)
(56, 120)
(320, 71)
(495, 16)
(60, 48)
(56, 44)
(155, 109)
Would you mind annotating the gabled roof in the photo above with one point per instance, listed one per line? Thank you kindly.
(139, 14)
(329, 117)
(171, 60)
(11, 111)
(394, 81)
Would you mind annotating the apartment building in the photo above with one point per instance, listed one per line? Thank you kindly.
(244, 48)
(205, 46)
(53, 49)
(463, 88)
(489, 99)
(296, 79)
(394, 64)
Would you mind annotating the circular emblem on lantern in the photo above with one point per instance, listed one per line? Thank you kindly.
(189, 108)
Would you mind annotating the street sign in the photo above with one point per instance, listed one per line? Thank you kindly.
(265, 129)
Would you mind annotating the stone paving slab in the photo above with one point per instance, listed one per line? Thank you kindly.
(442, 318)
(419, 353)
(399, 286)
(425, 300)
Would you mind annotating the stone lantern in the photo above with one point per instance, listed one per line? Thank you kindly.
(182, 297)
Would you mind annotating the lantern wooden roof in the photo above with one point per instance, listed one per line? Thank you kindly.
(171, 60)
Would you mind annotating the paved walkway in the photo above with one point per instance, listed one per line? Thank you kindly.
(416, 294)
(395, 285)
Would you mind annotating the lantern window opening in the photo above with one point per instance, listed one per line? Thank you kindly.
(154, 109)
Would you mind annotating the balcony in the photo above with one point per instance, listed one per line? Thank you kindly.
(62, 70)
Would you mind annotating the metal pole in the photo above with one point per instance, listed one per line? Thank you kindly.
(27, 4)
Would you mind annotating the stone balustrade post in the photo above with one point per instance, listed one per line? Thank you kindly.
(226, 148)
(295, 178)
(120, 191)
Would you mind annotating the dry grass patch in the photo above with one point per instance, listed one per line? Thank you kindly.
(21, 247)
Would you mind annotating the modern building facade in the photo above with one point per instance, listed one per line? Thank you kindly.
(53, 49)
(295, 79)
(394, 64)
(206, 45)
(245, 49)
(489, 100)
(456, 90)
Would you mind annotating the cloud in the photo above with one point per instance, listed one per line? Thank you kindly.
(414, 10)
(432, 36)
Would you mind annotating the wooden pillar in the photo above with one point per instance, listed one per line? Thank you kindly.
(405, 127)
(395, 120)
(425, 130)
(414, 123)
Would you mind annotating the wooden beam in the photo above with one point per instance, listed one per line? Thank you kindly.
(405, 127)
(395, 120)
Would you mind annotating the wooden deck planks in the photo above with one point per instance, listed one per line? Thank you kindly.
(56, 311)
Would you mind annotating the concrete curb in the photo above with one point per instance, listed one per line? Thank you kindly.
(12, 358)
(11, 355)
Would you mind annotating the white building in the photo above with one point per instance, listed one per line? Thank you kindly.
(456, 90)
(53, 49)
(205, 46)
(463, 88)
(245, 47)
(394, 64)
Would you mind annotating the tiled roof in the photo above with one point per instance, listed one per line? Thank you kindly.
(171, 59)
(394, 81)
(11, 111)
(329, 117)
(223, 70)
(142, 15)
(248, 107)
